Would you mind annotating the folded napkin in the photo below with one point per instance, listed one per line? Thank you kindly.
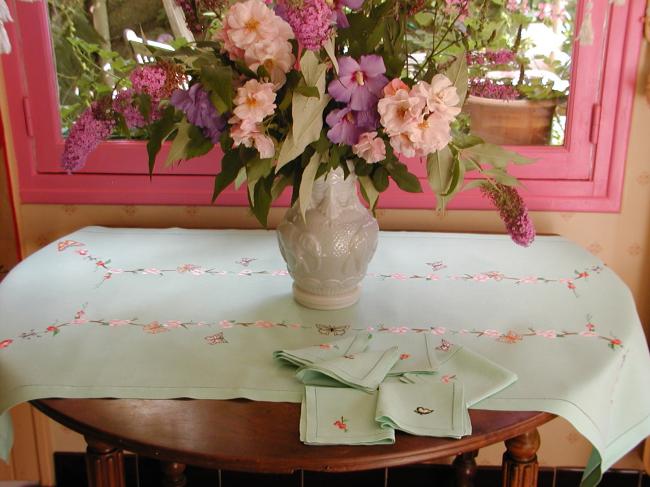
(479, 376)
(417, 352)
(364, 371)
(424, 409)
(341, 416)
(325, 351)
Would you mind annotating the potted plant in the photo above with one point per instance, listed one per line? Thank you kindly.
(311, 94)
(515, 87)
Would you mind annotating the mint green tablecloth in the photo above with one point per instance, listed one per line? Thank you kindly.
(177, 313)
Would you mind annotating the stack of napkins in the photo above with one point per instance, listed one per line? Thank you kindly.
(360, 389)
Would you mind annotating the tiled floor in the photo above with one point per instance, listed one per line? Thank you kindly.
(71, 472)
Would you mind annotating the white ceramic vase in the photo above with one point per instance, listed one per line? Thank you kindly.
(327, 253)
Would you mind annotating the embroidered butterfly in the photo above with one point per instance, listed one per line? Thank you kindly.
(216, 339)
(245, 261)
(436, 266)
(444, 346)
(64, 244)
(421, 410)
(336, 330)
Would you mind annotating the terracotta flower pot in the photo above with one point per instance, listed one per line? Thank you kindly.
(511, 122)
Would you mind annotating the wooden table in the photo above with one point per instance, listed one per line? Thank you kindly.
(263, 437)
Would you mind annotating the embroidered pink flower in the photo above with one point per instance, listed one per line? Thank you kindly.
(446, 379)
(226, 324)
(295, 326)
(115, 270)
(245, 272)
(119, 322)
(341, 424)
(5, 343)
(398, 276)
(64, 244)
(82, 252)
(54, 330)
(590, 326)
(152, 271)
(325, 346)
(280, 273)
(154, 328)
(173, 324)
(370, 328)
(404, 356)
(399, 329)
(433, 277)
(546, 333)
(527, 280)
(481, 278)
(588, 333)
(264, 324)
(79, 318)
(615, 342)
(491, 333)
(439, 330)
(370, 147)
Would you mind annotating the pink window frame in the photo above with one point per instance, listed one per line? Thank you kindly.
(586, 174)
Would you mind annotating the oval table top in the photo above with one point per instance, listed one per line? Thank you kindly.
(255, 436)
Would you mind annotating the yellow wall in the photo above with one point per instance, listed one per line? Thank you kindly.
(621, 240)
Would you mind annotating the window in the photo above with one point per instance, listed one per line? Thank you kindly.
(583, 174)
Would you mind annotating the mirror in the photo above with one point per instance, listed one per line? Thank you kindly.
(518, 54)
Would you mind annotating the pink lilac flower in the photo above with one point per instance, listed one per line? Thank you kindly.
(359, 83)
(85, 135)
(196, 105)
(513, 212)
(339, 12)
(311, 21)
(485, 88)
(124, 104)
(150, 80)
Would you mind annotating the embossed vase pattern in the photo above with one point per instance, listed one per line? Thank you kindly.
(327, 253)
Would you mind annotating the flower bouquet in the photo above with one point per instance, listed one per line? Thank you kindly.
(295, 90)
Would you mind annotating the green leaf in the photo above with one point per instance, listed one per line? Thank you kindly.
(307, 183)
(380, 179)
(369, 191)
(457, 73)
(218, 80)
(494, 155)
(308, 91)
(439, 170)
(198, 144)
(307, 112)
(257, 169)
(231, 164)
(160, 131)
(241, 178)
(404, 179)
(279, 185)
(262, 200)
(330, 49)
(501, 176)
(178, 148)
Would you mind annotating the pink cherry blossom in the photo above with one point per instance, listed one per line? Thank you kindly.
(370, 147)
(254, 102)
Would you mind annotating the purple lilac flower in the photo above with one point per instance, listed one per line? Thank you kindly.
(339, 14)
(196, 105)
(85, 135)
(489, 89)
(359, 83)
(310, 21)
(513, 212)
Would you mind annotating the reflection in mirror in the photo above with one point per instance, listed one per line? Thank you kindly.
(519, 59)
(518, 54)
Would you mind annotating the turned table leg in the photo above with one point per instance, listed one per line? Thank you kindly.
(520, 465)
(173, 474)
(465, 467)
(105, 464)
